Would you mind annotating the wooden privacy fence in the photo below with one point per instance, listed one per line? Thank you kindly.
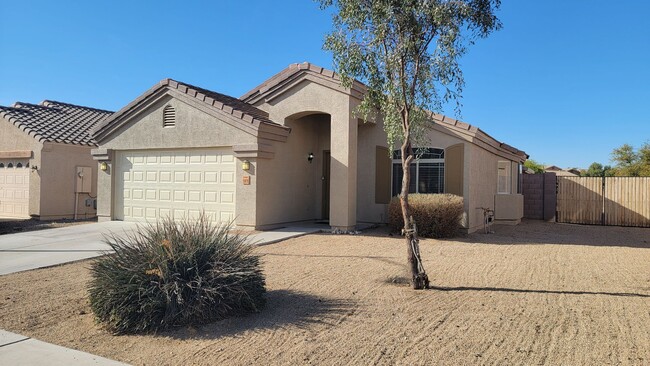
(620, 201)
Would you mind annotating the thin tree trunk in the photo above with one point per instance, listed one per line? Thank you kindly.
(419, 278)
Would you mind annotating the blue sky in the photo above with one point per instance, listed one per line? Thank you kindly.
(566, 81)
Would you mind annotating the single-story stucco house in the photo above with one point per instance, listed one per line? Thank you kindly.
(46, 170)
(289, 150)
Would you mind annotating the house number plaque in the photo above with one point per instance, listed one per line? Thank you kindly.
(247, 180)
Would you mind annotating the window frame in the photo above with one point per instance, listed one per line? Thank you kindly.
(396, 159)
(508, 170)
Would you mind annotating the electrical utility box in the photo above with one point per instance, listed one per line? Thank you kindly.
(84, 179)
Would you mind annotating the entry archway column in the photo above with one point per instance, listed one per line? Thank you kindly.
(343, 181)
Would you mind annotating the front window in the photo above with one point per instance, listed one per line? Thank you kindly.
(427, 171)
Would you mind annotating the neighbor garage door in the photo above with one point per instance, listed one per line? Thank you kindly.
(151, 185)
(14, 189)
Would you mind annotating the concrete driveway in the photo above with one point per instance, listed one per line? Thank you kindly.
(44, 248)
(49, 247)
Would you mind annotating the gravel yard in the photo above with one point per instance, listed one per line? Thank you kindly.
(536, 293)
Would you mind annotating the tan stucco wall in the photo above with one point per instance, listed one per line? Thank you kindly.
(11, 139)
(508, 207)
(194, 129)
(306, 98)
(482, 186)
(371, 135)
(290, 187)
(58, 171)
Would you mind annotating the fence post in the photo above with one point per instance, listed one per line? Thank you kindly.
(602, 212)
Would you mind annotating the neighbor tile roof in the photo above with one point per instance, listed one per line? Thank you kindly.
(55, 121)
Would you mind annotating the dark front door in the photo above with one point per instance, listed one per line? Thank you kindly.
(326, 184)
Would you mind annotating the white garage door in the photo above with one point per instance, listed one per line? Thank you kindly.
(151, 185)
(14, 189)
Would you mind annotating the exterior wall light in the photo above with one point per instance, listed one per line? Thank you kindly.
(103, 166)
(310, 157)
(245, 165)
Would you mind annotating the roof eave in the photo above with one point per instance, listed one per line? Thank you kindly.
(247, 121)
(284, 78)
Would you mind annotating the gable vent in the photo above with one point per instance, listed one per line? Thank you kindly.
(169, 117)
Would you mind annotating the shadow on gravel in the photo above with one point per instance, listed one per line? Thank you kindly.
(515, 290)
(284, 308)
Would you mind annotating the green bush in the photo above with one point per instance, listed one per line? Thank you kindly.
(172, 274)
(436, 215)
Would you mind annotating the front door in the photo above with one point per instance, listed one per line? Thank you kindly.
(326, 185)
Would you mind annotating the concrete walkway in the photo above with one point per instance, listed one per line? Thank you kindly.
(50, 247)
(19, 350)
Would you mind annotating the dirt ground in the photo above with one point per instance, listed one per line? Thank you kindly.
(531, 294)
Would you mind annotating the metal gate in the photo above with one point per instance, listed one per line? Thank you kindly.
(620, 201)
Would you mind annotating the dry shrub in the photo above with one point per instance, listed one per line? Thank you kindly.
(436, 215)
(172, 274)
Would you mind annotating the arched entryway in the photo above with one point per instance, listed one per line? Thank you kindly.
(310, 142)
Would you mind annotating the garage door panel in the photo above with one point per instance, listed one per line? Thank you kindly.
(227, 177)
(14, 190)
(226, 216)
(180, 177)
(195, 177)
(165, 195)
(227, 197)
(211, 158)
(165, 158)
(177, 184)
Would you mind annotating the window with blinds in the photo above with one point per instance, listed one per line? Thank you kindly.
(427, 171)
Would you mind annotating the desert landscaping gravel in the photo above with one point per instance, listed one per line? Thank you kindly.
(533, 294)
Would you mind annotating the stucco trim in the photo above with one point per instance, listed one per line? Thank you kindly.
(237, 118)
(102, 154)
(259, 150)
(16, 154)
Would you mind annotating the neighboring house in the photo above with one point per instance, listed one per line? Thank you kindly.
(289, 150)
(559, 172)
(45, 163)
